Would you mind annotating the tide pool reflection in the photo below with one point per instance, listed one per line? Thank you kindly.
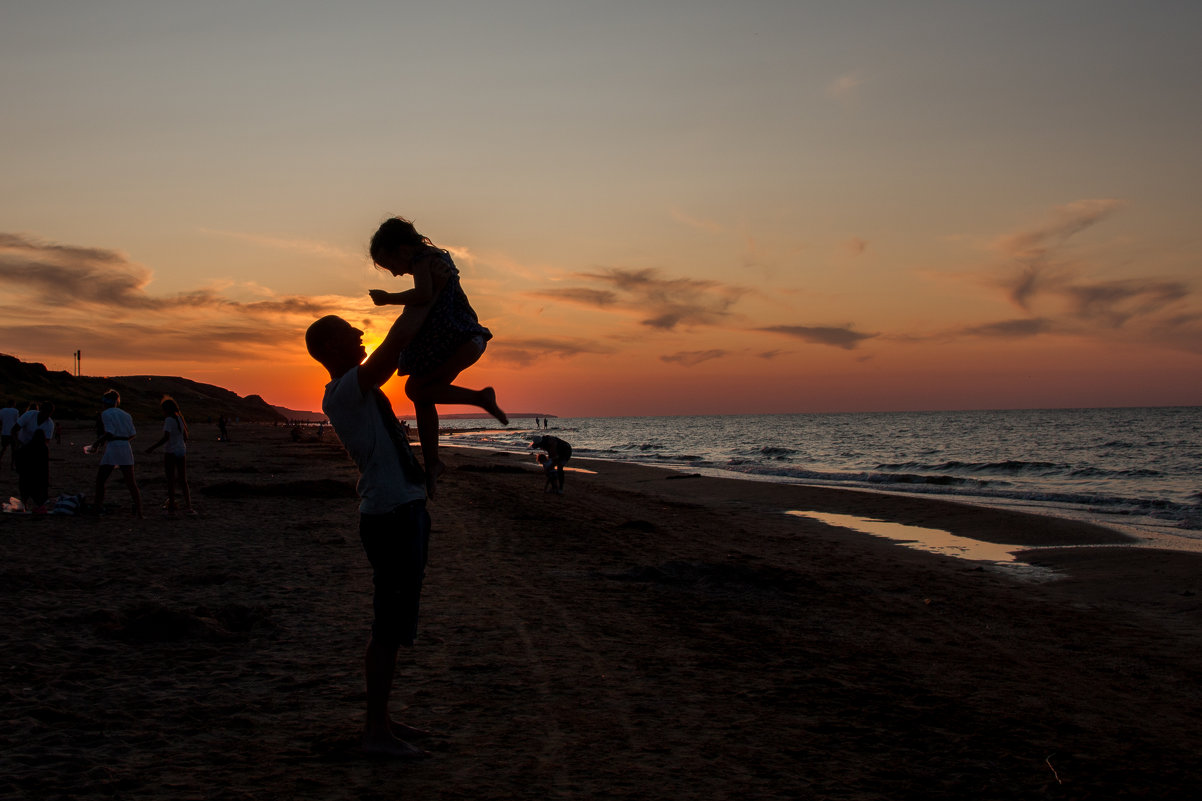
(932, 540)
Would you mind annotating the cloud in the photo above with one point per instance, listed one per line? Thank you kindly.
(691, 358)
(597, 298)
(836, 336)
(708, 226)
(663, 303)
(1113, 303)
(63, 276)
(63, 298)
(308, 247)
(856, 246)
(845, 86)
(1010, 329)
(1047, 278)
(530, 351)
(1039, 251)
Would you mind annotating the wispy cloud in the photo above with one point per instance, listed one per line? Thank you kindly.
(835, 336)
(662, 303)
(856, 246)
(308, 247)
(1047, 275)
(1010, 329)
(1039, 252)
(709, 226)
(691, 358)
(533, 350)
(845, 86)
(1113, 303)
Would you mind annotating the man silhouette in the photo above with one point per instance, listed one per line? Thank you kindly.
(393, 523)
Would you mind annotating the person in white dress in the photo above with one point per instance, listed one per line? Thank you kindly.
(118, 430)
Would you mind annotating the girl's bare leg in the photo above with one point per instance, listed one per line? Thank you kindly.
(427, 434)
(102, 476)
(181, 465)
(435, 387)
(169, 469)
(127, 472)
(438, 387)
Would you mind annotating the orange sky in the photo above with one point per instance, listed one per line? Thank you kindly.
(767, 209)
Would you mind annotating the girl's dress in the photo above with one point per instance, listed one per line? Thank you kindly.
(120, 426)
(176, 444)
(450, 323)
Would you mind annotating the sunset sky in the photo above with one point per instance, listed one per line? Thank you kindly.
(657, 207)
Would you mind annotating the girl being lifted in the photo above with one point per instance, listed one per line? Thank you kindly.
(449, 341)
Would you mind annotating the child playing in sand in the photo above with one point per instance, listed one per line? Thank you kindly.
(449, 341)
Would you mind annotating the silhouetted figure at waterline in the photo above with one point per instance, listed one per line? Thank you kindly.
(558, 453)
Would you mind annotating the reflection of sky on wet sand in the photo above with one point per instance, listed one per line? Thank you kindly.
(932, 540)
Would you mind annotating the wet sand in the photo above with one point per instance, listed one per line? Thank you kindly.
(646, 635)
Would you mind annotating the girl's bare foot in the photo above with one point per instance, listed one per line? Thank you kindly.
(489, 404)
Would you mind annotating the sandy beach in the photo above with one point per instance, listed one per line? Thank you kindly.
(647, 635)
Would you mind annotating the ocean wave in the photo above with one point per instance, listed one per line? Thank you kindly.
(1008, 467)
(1097, 472)
(1185, 516)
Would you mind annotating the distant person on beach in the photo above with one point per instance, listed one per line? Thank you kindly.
(8, 421)
(117, 429)
(175, 437)
(450, 338)
(394, 525)
(223, 434)
(558, 453)
(33, 432)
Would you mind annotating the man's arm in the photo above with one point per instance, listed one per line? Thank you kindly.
(381, 364)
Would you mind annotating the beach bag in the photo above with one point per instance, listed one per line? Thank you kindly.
(67, 505)
(409, 465)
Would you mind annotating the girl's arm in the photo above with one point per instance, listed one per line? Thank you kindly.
(426, 284)
(162, 439)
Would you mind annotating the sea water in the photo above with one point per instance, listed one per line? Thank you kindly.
(1138, 466)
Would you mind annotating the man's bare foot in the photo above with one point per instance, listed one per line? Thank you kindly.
(386, 745)
(489, 404)
(433, 473)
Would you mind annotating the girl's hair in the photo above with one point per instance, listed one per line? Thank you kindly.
(171, 408)
(393, 234)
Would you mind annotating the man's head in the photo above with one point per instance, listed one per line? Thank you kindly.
(335, 343)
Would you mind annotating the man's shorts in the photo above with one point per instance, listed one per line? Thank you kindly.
(396, 544)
